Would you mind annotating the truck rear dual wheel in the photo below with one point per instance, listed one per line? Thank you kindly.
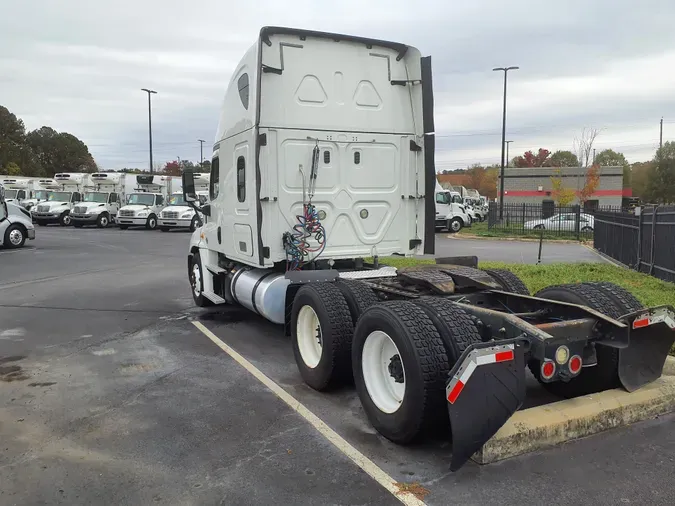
(608, 299)
(508, 281)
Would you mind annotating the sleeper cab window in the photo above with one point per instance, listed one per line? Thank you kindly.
(242, 85)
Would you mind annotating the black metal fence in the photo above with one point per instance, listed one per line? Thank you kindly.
(644, 241)
(551, 220)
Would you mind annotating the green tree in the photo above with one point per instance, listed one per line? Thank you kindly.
(13, 169)
(206, 166)
(662, 185)
(60, 152)
(641, 173)
(610, 158)
(564, 159)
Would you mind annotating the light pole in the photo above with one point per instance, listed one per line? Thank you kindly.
(501, 178)
(149, 92)
(201, 152)
(507, 152)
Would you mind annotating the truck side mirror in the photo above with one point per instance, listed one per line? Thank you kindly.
(189, 192)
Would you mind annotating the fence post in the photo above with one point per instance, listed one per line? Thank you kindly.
(651, 260)
(522, 222)
(639, 251)
(577, 221)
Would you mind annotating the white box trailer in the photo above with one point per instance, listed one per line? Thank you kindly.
(101, 201)
(324, 156)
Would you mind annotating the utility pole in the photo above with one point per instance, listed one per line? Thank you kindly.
(149, 92)
(201, 152)
(501, 178)
(593, 156)
(507, 152)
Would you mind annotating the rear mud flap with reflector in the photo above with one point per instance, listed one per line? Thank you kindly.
(652, 335)
(486, 386)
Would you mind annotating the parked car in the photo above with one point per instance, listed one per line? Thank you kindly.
(562, 222)
(15, 224)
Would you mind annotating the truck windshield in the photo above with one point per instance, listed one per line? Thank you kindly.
(59, 197)
(10, 194)
(177, 200)
(144, 199)
(98, 197)
(42, 194)
(456, 199)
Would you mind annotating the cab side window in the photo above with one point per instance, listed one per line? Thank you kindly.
(113, 198)
(159, 200)
(215, 178)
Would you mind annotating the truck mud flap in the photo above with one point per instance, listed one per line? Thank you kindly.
(486, 386)
(652, 336)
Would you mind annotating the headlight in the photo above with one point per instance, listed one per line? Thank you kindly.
(186, 215)
(142, 214)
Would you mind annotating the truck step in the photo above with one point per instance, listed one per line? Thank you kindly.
(216, 299)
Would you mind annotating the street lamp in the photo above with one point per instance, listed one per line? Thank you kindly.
(501, 182)
(201, 152)
(507, 152)
(149, 92)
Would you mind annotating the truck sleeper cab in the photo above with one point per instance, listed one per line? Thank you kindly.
(324, 161)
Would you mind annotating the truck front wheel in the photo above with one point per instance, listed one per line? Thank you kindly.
(103, 220)
(321, 331)
(65, 220)
(455, 225)
(196, 274)
(151, 224)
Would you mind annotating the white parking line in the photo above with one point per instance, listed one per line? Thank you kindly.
(356, 456)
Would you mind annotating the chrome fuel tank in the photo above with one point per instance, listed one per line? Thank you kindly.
(262, 291)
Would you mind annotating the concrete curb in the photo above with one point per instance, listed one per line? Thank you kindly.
(513, 239)
(545, 426)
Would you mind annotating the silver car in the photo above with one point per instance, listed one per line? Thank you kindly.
(15, 224)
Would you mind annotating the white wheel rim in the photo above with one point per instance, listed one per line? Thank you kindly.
(310, 339)
(104, 221)
(379, 360)
(196, 280)
(66, 219)
(15, 237)
(455, 226)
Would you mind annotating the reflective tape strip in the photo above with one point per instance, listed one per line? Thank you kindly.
(663, 317)
(477, 358)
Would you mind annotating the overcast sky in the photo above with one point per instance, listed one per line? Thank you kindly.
(78, 66)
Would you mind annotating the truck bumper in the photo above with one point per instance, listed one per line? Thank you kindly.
(84, 218)
(131, 221)
(31, 234)
(46, 217)
(172, 223)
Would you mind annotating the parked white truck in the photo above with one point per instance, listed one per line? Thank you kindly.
(450, 211)
(101, 202)
(40, 192)
(60, 203)
(324, 161)
(15, 223)
(178, 213)
(145, 203)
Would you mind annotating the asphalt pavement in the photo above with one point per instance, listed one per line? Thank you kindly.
(110, 395)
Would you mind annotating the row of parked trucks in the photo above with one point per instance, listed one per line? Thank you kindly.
(458, 207)
(103, 199)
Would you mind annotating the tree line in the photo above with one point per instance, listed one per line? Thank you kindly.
(42, 152)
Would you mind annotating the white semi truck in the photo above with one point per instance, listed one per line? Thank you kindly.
(451, 213)
(178, 213)
(323, 162)
(144, 205)
(101, 202)
(60, 203)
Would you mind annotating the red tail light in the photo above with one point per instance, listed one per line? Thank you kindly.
(547, 369)
(575, 364)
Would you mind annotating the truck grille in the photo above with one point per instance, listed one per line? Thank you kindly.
(170, 214)
(127, 212)
(43, 209)
(80, 210)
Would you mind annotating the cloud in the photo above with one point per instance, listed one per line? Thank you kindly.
(79, 65)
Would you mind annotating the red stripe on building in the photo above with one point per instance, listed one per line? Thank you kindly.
(626, 192)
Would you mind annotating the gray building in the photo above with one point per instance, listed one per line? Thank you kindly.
(533, 185)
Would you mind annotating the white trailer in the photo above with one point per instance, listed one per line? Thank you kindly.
(60, 203)
(324, 156)
(145, 203)
(101, 202)
(17, 189)
(178, 213)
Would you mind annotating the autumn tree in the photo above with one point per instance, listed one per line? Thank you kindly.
(564, 159)
(476, 175)
(610, 158)
(591, 183)
(530, 159)
(563, 195)
(172, 168)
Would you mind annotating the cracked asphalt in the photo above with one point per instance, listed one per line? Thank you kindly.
(110, 395)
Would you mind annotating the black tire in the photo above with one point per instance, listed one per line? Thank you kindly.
(124, 227)
(103, 220)
(194, 224)
(336, 330)
(623, 299)
(65, 220)
(15, 236)
(359, 297)
(151, 223)
(508, 281)
(199, 299)
(164, 229)
(423, 409)
(455, 225)
(455, 326)
(604, 375)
